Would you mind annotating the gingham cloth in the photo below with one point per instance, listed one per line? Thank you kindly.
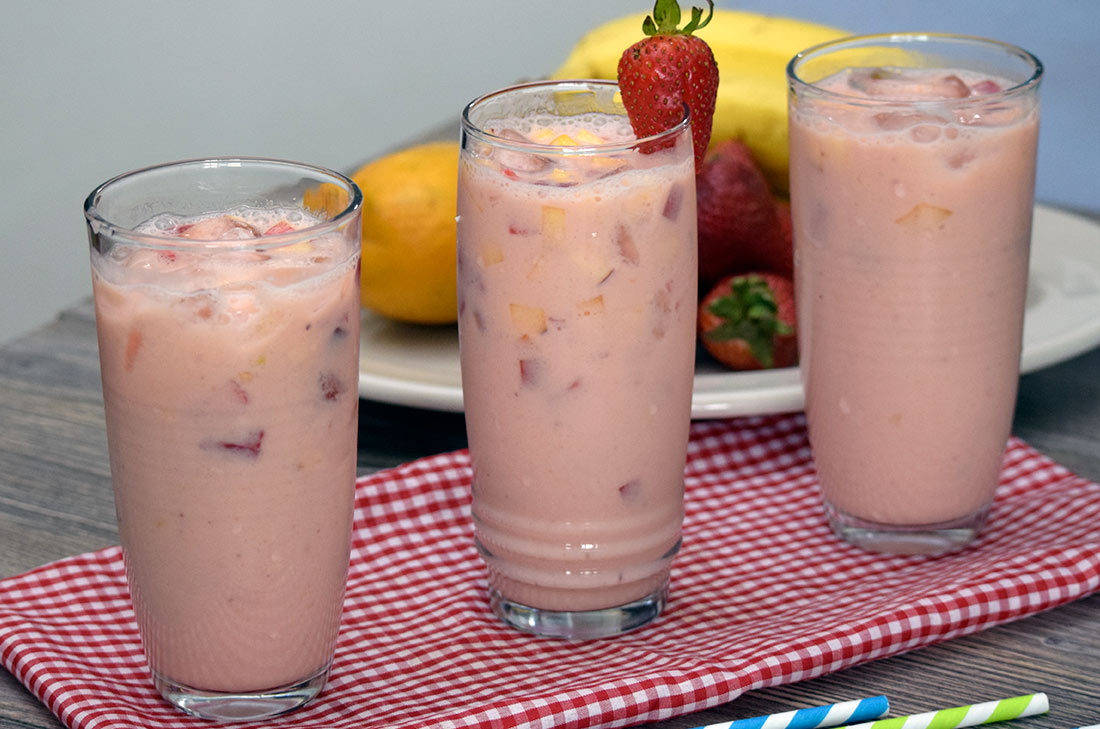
(762, 594)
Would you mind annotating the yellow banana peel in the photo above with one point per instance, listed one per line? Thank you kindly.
(752, 51)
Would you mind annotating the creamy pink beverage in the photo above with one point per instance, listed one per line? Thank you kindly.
(912, 194)
(577, 281)
(230, 388)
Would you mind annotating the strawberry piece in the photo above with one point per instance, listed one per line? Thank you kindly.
(673, 203)
(987, 86)
(531, 371)
(247, 445)
(740, 228)
(628, 249)
(668, 68)
(747, 322)
(236, 389)
(631, 491)
(133, 346)
(331, 386)
(281, 227)
(222, 227)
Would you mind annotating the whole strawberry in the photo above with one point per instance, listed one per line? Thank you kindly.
(740, 224)
(667, 69)
(747, 322)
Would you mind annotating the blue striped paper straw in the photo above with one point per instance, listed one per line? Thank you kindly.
(814, 717)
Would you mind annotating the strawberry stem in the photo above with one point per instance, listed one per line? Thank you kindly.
(749, 313)
(666, 18)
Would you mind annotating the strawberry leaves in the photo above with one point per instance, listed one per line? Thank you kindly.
(749, 313)
(666, 18)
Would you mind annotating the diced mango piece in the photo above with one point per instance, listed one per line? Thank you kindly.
(592, 306)
(490, 255)
(585, 136)
(298, 249)
(553, 223)
(924, 217)
(542, 135)
(528, 321)
(562, 177)
(563, 140)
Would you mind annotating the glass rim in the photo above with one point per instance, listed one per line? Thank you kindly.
(628, 145)
(100, 225)
(912, 38)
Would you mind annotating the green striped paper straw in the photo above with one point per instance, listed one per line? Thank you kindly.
(963, 716)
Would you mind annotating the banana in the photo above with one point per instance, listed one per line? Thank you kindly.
(752, 51)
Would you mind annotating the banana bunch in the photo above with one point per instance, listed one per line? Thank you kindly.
(752, 51)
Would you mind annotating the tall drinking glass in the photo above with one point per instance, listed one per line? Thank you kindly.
(912, 188)
(577, 294)
(227, 309)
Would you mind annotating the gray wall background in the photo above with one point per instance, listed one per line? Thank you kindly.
(89, 90)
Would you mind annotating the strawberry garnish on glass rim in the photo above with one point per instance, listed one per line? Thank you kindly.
(668, 68)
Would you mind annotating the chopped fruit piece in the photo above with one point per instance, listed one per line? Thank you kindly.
(924, 217)
(563, 140)
(562, 177)
(961, 159)
(331, 386)
(588, 307)
(491, 254)
(237, 390)
(297, 248)
(631, 491)
(248, 444)
(893, 121)
(986, 87)
(907, 84)
(585, 136)
(625, 243)
(542, 135)
(512, 160)
(553, 223)
(222, 227)
(673, 203)
(281, 227)
(133, 344)
(531, 371)
(663, 298)
(528, 321)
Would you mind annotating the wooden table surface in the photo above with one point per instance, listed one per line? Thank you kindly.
(55, 501)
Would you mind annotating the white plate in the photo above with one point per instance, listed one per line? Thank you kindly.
(418, 366)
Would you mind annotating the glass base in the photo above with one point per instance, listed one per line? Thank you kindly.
(580, 624)
(244, 706)
(927, 539)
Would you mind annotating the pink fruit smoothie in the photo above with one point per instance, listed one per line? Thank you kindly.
(577, 281)
(230, 386)
(912, 227)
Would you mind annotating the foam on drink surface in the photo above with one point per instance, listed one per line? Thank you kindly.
(559, 152)
(923, 103)
(223, 248)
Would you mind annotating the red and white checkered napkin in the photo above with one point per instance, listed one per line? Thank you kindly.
(762, 594)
